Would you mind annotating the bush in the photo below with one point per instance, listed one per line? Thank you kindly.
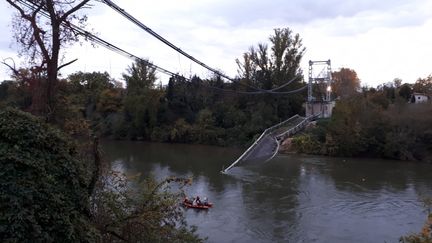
(45, 193)
(306, 144)
(126, 209)
(160, 134)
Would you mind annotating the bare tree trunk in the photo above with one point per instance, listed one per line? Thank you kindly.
(58, 13)
(98, 165)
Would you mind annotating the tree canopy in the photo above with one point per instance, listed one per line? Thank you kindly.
(423, 85)
(345, 83)
(378, 122)
(50, 193)
(269, 69)
(45, 187)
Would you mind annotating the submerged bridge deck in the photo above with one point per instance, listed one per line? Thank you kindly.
(267, 145)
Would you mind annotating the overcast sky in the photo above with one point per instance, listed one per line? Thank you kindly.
(379, 39)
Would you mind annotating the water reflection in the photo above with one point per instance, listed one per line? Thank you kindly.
(290, 199)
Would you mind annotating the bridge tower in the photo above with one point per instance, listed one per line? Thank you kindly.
(319, 89)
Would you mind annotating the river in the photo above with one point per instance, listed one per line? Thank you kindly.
(292, 198)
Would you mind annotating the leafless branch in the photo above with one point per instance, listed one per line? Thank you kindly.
(68, 63)
(13, 68)
(72, 10)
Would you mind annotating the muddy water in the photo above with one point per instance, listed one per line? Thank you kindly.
(292, 198)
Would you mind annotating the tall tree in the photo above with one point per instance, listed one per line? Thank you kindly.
(140, 77)
(423, 85)
(345, 82)
(86, 89)
(271, 68)
(397, 82)
(41, 39)
(141, 100)
(405, 91)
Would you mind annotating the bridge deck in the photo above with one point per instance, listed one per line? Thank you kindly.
(267, 145)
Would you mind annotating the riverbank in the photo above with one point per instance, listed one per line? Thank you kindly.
(294, 145)
(361, 129)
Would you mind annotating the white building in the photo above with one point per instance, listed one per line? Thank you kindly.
(419, 98)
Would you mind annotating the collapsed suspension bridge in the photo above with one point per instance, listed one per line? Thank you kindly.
(267, 145)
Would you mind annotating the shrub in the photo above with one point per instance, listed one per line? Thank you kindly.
(44, 189)
(126, 209)
(306, 144)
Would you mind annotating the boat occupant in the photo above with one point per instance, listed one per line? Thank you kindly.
(198, 201)
(186, 200)
(205, 201)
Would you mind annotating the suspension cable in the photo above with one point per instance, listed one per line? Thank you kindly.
(128, 16)
(258, 92)
(165, 41)
(100, 41)
(127, 54)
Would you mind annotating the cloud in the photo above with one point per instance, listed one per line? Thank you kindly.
(381, 40)
(378, 55)
(398, 17)
(246, 12)
(5, 29)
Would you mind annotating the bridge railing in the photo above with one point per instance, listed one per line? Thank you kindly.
(257, 141)
(297, 128)
(281, 124)
(247, 151)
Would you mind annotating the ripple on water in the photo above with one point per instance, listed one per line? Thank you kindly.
(292, 198)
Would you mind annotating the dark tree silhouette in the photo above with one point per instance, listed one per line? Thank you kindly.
(42, 28)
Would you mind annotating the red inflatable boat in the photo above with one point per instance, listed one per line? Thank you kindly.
(188, 204)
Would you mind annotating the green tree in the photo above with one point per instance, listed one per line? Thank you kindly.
(405, 91)
(87, 100)
(148, 211)
(45, 187)
(142, 100)
(345, 131)
(423, 85)
(181, 131)
(93, 82)
(397, 83)
(180, 95)
(15, 94)
(26, 92)
(85, 89)
(50, 193)
(269, 67)
(140, 77)
(389, 91)
(205, 127)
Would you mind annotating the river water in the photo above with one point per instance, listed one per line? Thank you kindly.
(292, 198)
